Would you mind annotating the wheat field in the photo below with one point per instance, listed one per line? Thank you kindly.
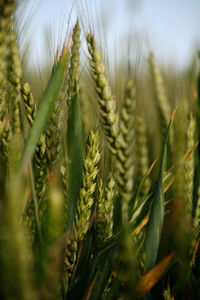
(99, 199)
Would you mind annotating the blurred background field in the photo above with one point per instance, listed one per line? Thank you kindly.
(170, 28)
(127, 31)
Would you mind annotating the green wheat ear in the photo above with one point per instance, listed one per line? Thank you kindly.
(104, 212)
(197, 211)
(107, 103)
(53, 135)
(10, 72)
(86, 198)
(63, 173)
(124, 158)
(119, 138)
(7, 8)
(73, 74)
(14, 77)
(142, 159)
(6, 139)
(161, 99)
(120, 135)
(39, 159)
(29, 102)
(189, 167)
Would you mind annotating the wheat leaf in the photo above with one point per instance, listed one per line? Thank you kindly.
(155, 224)
(75, 156)
(45, 109)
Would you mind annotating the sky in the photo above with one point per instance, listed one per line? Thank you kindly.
(171, 29)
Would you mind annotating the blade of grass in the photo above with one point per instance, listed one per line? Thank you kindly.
(151, 278)
(133, 200)
(155, 224)
(105, 271)
(35, 203)
(75, 156)
(45, 109)
(89, 267)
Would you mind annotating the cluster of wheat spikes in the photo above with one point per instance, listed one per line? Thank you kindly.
(70, 230)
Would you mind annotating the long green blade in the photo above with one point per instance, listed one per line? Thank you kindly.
(155, 224)
(75, 156)
(45, 109)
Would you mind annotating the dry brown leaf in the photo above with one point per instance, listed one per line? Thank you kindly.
(151, 277)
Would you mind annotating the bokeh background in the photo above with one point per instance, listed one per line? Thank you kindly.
(127, 31)
(171, 28)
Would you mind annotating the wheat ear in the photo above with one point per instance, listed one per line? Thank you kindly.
(104, 211)
(197, 211)
(6, 10)
(73, 74)
(125, 159)
(39, 159)
(14, 74)
(161, 99)
(86, 199)
(189, 167)
(107, 103)
(141, 156)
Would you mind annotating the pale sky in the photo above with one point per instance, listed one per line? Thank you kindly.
(171, 28)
